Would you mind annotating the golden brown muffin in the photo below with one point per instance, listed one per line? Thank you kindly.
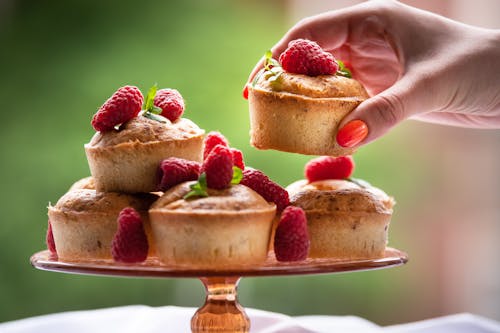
(127, 160)
(345, 219)
(300, 113)
(230, 227)
(84, 222)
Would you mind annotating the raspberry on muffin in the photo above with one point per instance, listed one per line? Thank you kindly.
(126, 158)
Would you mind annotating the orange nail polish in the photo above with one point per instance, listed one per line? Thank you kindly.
(352, 133)
(245, 92)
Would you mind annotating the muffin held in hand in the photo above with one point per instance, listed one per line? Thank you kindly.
(125, 153)
(347, 218)
(83, 222)
(297, 103)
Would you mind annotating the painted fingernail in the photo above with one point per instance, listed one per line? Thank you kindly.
(245, 92)
(352, 133)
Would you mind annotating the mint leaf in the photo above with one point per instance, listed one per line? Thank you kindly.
(237, 175)
(150, 98)
(343, 71)
(198, 189)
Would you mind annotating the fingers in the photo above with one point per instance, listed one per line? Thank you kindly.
(377, 115)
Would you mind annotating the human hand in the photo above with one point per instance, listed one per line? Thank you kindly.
(413, 63)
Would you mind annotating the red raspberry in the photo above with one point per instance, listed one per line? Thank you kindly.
(175, 170)
(269, 190)
(49, 240)
(211, 140)
(218, 167)
(124, 105)
(291, 241)
(237, 158)
(327, 167)
(171, 103)
(130, 243)
(306, 57)
(245, 92)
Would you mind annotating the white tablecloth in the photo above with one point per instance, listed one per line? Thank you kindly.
(172, 319)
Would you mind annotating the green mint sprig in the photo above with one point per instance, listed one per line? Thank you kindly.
(272, 70)
(199, 189)
(151, 111)
(343, 70)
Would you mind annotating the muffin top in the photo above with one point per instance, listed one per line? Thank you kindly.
(231, 199)
(142, 129)
(321, 86)
(90, 201)
(339, 196)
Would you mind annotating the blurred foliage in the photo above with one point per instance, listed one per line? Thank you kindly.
(59, 61)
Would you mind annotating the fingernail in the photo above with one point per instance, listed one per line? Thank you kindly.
(245, 92)
(352, 133)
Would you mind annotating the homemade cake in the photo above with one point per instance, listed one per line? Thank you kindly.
(300, 113)
(127, 160)
(346, 219)
(229, 227)
(84, 222)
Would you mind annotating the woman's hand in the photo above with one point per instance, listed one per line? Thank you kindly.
(413, 63)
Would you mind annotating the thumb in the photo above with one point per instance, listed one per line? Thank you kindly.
(377, 115)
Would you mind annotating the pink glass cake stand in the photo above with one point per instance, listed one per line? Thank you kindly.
(221, 311)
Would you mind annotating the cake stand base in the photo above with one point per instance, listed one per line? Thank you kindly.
(221, 311)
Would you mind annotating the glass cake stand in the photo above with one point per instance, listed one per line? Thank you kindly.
(221, 311)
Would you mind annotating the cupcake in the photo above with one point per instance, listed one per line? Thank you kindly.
(84, 222)
(297, 104)
(229, 227)
(346, 218)
(223, 219)
(125, 153)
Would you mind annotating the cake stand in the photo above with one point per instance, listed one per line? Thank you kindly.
(221, 311)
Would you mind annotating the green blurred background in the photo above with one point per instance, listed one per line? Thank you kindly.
(60, 60)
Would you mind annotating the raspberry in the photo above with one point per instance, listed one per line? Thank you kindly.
(269, 190)
(291, 241)
(245, 92)
(237, 158)
(327, 167)
(211, 140)
(306, 57)
(130, 243)
(171, 103)
(175, 170)
(218, 167)
(124, 105)
(49, 240)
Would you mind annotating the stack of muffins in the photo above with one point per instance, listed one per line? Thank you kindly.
(236, 224)
(124, 165)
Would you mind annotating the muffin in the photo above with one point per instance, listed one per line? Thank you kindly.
(300, 113)
(230, 227)
(84, 222)
(346, 219)
(127, 160)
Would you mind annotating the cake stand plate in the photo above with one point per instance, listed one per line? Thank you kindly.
(221, 311)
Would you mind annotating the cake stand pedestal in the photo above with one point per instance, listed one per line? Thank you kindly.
(221, 311)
